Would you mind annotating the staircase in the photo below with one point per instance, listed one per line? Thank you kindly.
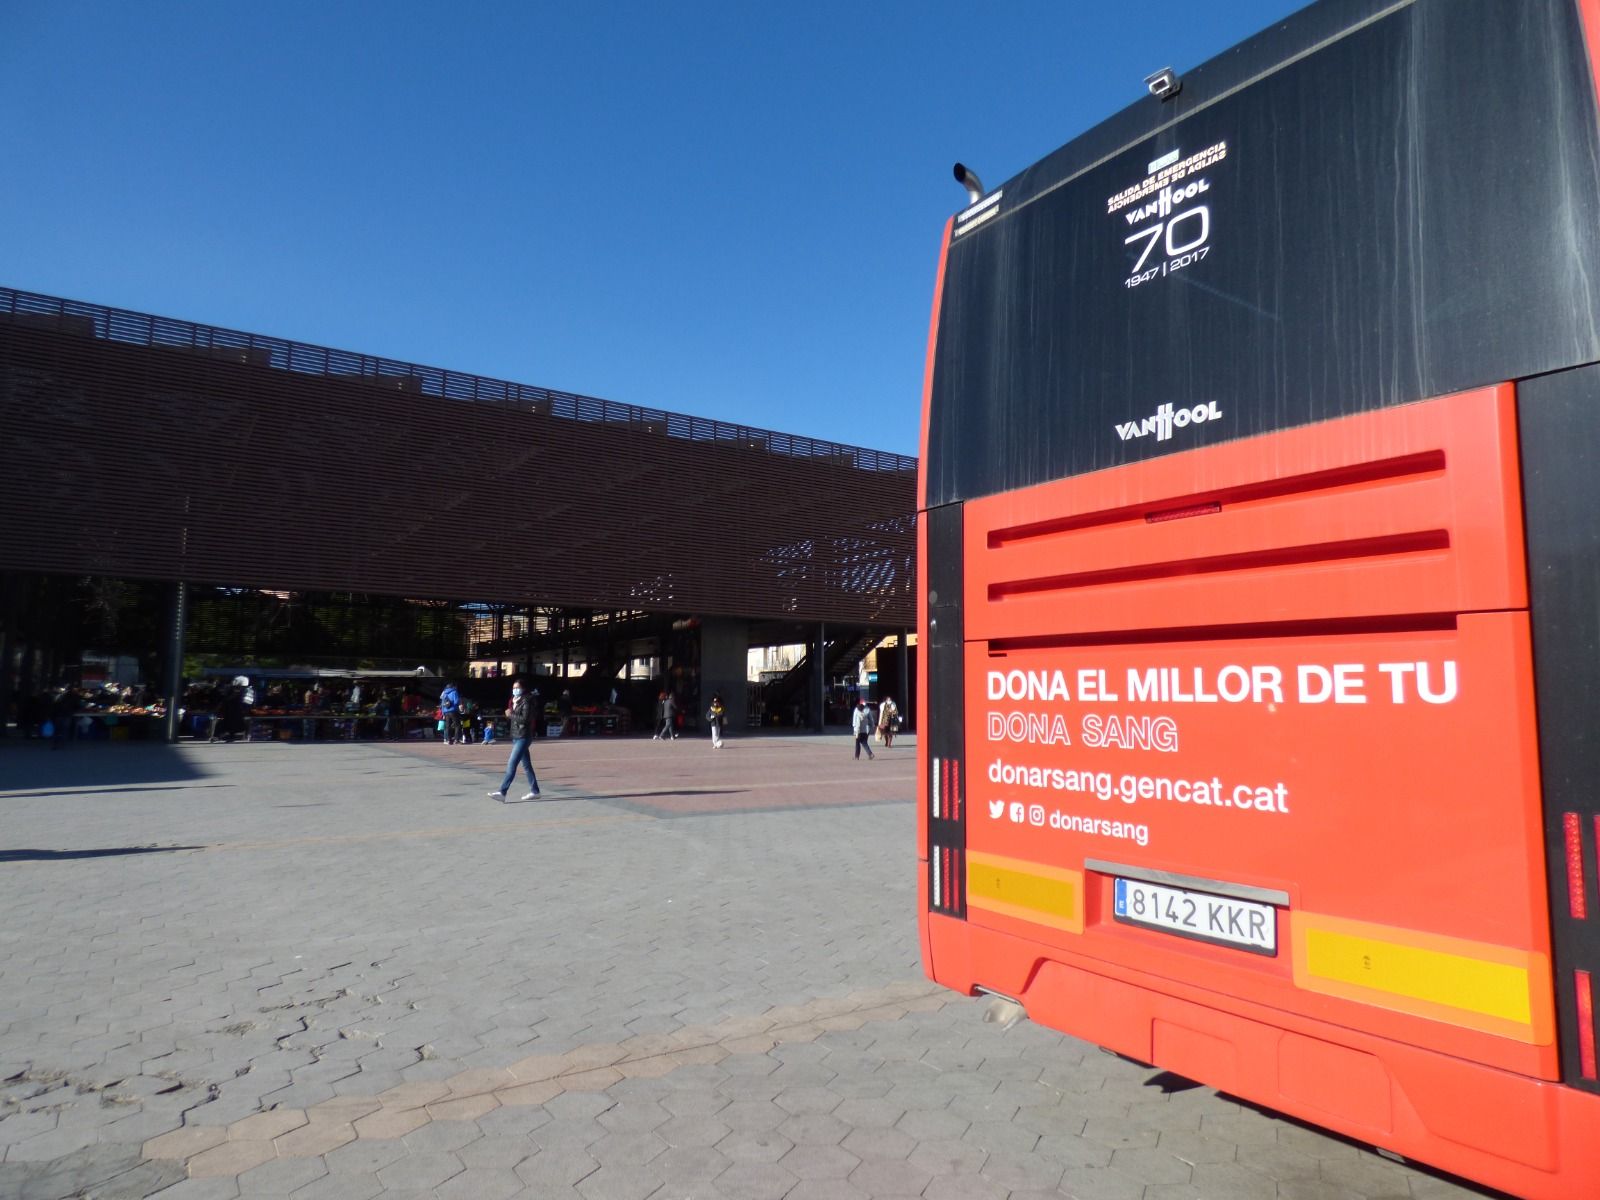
(840, 657)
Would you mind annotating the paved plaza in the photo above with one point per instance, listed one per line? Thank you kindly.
(340, 971)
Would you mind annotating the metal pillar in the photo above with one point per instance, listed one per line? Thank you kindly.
(499, 643)
(903, 661)
(529, 671)
(819, 677)
(8, 638)
(177, 615)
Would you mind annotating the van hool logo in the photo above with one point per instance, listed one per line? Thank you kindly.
(1166, 419)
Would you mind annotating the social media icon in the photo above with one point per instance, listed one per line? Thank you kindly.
(1017, 811)
(996, 807)
(1036, 815)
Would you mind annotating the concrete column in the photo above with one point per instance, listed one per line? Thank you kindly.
(177, 616)
(819, 676)
(724, 665)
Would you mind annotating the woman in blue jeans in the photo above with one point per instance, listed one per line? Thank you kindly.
(517, 710)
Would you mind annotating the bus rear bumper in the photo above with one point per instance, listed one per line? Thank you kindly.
(1530, 1137)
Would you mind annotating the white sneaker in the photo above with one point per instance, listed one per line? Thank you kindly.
(531, 796)
(500, 796)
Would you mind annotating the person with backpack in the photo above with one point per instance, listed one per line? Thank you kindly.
(888, 712)
(450, 713)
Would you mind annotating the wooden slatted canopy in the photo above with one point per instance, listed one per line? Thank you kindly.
(145, 447)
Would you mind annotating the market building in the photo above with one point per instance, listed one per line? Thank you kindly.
(226, 491)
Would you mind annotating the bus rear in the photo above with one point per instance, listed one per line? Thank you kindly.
(1260, 584)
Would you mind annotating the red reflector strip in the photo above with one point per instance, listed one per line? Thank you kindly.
(1178, 514)
(1585, 1024)
(1576, 899)
(955, 789)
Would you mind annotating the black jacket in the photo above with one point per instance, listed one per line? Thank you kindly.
(519, 716)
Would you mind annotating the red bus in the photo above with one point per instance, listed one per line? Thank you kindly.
(1260, 584)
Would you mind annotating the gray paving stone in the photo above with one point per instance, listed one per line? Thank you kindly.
(555, 1168)
(755, 1181)
(482, 943)
(627, 1149)
(819, 1162)
(281, 1176)
(752, 1114)
(567, 1135)
(1276, 1161)
(480, 1183)
(692, 1131)
(210, 1189)
(634, 1116)
(869, 1142)
(949, 1156)
(1100, 1183)
(965, 1187)
(442, 1137)
(1001, 1137)
(1316, 1189)
(925, 1125)
(815, 1128)
(827, 1189)
(364, 1156)
(1021, 1171)
(684, 1166)
(891, 1177)
(496, 1150)
(754, 1146)
(420, 1171)
(619, 1183)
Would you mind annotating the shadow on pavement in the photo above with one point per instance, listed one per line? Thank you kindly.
(112, 789)
(61, 855)
(88, 766)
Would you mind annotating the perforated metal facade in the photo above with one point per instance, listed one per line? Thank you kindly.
(146, 447)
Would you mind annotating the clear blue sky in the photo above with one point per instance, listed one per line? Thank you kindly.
(727, 209)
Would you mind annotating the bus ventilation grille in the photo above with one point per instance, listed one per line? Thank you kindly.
(947, 854)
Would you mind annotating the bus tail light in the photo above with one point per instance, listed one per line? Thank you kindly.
(1577, 903)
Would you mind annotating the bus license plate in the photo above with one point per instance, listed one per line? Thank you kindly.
(1219, 919)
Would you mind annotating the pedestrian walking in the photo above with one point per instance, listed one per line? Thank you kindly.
(517, 710)
(716, 715)
(888, 714)
(667, 714)
(450, 713)
(861, 724)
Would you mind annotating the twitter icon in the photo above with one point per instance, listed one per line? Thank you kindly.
(996, 807)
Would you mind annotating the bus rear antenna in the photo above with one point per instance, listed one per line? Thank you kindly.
(969, 180)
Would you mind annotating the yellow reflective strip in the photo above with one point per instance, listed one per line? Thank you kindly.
(1029, 891)
(1493, 989)
(1500, 990)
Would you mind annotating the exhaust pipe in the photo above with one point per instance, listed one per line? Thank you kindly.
(969, 180)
